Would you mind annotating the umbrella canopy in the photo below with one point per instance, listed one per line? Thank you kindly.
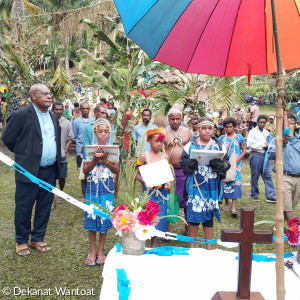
(224, 38)
(215, 37)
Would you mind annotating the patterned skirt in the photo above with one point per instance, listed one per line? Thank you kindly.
(163, 205)
(97, 194)
(202, 207)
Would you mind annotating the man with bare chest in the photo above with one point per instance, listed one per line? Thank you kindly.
(176, 138)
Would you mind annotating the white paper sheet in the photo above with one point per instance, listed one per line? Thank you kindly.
(205, 156)
(113, 151)
(156, 173)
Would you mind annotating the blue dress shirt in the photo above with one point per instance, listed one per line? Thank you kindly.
(290, 154)
(141, 137)
(297, 112)
(48, 136)
(78, 126)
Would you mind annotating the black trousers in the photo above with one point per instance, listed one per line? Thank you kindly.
(78, 161)
(28, 194)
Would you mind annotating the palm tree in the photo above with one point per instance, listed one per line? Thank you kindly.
(186, 92)
(121, 85)
(226, 92)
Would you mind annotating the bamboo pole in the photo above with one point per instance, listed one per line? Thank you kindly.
(279, 219)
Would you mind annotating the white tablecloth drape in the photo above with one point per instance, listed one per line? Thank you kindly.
(197, 276)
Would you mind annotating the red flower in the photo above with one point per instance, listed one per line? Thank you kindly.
(153, 207)
(128, 115)
(294, 222)
(161, 137)
(294, 228)
(292, 237)
(145, 217)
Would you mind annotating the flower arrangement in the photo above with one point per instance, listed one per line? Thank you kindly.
(293, 232)
(138, 216)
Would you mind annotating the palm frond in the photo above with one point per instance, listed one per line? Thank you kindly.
(19, 63)
(60, 81)
(35, 10)
(102, 36)
(227, 92)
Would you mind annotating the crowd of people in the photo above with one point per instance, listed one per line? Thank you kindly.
(40, 137)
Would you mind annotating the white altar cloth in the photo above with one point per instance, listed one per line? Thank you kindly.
(197, 276)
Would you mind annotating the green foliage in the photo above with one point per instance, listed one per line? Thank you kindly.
(227, 92)
(185, 93)
(60, 82)
(121, 84)
(57, 5)
(19, 63)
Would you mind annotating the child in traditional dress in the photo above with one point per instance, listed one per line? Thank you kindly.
(159, 194)
(235, 145)
(100, 190)
(203, 183)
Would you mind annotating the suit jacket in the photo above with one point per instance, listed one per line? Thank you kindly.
(23, 137)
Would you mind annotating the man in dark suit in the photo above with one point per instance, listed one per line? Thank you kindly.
(33, 134)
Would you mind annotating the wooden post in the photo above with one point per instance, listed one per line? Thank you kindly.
(279, 166)
(279, 188)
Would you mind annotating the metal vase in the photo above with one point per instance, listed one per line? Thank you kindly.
(298, 253)
(131, 245)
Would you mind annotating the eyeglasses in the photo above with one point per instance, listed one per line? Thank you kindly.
(44, 93)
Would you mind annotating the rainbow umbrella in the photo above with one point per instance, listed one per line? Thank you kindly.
(214, 37)
(223, 38)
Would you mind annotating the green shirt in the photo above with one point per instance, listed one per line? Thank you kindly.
(66, 114)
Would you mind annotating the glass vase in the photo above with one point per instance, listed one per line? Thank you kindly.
(131, 245)
(298, 253)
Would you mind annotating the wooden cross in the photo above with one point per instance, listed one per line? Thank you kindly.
(245, 236)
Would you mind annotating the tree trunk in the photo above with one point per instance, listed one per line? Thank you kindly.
(19, 13)
(279, 189)
(67, 59)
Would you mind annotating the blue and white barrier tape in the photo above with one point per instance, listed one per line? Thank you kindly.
(96, 211)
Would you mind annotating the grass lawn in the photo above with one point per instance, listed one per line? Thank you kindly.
(64, 265)
(268, 109)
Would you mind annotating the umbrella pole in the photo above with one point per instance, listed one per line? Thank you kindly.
(279, 219)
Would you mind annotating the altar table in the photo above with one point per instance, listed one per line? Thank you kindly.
(197, 276)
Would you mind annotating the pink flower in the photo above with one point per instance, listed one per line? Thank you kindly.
(292, 237)
(155, 222)
(124, 220)
(145, 217)
(153, 207)
(161, 137)
(122, 207)
(294, 222)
